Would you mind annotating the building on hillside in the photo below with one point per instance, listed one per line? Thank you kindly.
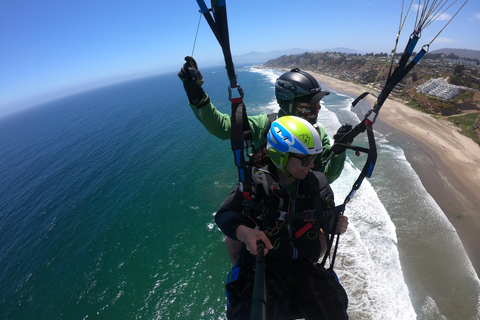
(439, 88)
(461, 61)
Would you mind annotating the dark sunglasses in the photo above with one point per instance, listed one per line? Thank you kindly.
(306, 159)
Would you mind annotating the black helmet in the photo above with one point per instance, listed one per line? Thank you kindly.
(295, 84)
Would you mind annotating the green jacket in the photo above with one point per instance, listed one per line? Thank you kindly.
(218, 124)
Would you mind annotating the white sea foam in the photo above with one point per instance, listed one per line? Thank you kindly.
(369, 264)
(271, 74)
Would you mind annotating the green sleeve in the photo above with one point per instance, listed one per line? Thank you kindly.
(334, 168)
(218, 123)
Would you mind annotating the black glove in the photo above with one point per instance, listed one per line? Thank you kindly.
(192, 81)
(341, 132)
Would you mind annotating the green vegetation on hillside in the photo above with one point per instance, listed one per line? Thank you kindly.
(468, 123)
(372, 70)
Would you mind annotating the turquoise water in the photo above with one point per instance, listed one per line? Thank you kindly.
(107, 202)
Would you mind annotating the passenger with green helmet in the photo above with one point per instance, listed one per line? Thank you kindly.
(289, 208)
(297, 92)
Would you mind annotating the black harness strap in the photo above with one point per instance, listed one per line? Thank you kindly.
(369, 163)
(366, 124)
(316, 219)
(307, 215)
(218, 24)
(317, 215)
(330, 234)
(241, 133)
(400, 71)
(240, 137)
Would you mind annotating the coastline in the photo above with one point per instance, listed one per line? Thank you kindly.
(448, 164)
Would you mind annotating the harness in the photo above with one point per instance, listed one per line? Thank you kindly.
(241, 134)
(287, 216)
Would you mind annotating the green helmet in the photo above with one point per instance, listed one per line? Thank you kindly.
(290, 134)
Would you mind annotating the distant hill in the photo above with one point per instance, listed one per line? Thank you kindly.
(343, 50)
(261, 57)
(462, 53)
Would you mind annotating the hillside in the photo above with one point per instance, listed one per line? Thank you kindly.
(261, 57)
(371, 70)
(461, 53)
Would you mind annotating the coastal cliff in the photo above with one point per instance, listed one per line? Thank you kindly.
(436, 85)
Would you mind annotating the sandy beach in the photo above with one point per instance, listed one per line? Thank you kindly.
(449, 165)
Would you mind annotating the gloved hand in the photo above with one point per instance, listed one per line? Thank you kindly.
(192, 81)
(341, 132)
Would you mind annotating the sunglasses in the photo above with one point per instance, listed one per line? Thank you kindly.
(306, 159)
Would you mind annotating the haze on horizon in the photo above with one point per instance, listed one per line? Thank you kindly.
(53, 49)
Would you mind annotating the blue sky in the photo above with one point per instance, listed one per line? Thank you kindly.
(52, 47)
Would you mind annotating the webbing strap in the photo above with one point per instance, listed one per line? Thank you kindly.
(218, 24)
(369, 164)
(317, 214)
(240, 137)
(307, 215)
(330, 234)
(400, 71)
(236, 137)
(366, 125)
(241, 134)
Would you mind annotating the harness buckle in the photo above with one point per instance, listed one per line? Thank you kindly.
(282, 215)
(309, 215)
(247, 205)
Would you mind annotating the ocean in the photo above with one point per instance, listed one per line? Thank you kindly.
(108, 197)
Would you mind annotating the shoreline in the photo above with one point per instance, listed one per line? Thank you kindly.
(448, 164)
